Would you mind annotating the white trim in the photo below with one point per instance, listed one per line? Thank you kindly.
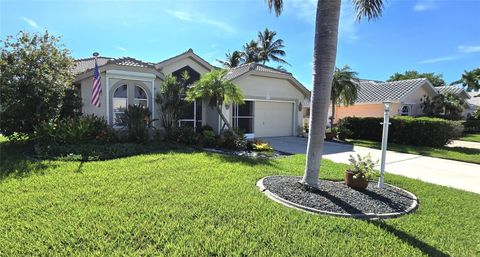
(128, 74)
(126, 107)
(267, 100)
(107, 107)
(153, 99)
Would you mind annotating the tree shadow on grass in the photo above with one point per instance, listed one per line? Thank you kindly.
(249, 161)
(16, 161)
(409, 239)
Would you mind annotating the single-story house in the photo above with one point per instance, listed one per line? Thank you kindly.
(405, 95)
(273, 98)
(460, 92)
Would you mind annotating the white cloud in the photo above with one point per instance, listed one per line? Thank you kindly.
(469, 48)
(441, 59)
(30, 22)
(191, 17)
(306, 11)
(424, 5)
(121, 48)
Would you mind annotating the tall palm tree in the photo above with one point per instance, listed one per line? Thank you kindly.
(324, 56)
(218, 90)
(232, 60)
(344, 88)
(269, 48)
(251, 51)
(470, 80)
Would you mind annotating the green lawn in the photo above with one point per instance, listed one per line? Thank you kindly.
(470, 137)
(200, 204)
(452, 153)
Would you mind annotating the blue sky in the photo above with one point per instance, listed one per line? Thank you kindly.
(426, 35)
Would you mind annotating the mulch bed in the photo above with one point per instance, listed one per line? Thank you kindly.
(336, 198)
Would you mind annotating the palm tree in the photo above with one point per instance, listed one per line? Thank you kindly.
(324, 55)
(470, 80)
(251, 51)
(232, 60)
(344, 88)
(269, 48)
(218, 90)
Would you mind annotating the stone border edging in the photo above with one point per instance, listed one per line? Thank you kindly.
(367, 216)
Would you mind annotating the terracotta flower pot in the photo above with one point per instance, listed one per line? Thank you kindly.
(355, 183)
(329, 135)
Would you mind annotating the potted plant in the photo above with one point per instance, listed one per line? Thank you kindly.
(360, 171)
(343, 131)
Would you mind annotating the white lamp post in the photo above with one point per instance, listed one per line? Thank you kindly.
(386, 118)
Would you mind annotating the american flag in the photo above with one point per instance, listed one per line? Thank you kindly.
(96, 86)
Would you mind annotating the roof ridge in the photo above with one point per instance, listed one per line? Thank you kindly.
(91, 58)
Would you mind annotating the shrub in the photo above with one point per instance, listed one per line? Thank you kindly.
(74, 130)
(92, 151)
(422, 131)
(183, 135)
(137, 120)
(208, 138)
(232, 141)
(471, 126)
(259, 146)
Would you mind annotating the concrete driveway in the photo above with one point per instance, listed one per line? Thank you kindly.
(460, 175)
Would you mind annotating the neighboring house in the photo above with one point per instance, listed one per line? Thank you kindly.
(460, 92)
(405, 96)
(272, 97)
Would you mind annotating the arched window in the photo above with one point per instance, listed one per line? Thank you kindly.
(120, 103)
(405, 111)
(140, 97)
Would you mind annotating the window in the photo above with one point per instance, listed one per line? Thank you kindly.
(140, 97)
(120, 103)
(243, 117)
(192, 117)
(405, 111)
(122, 98)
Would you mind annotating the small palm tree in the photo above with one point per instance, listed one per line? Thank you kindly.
(470, 80)
(324, 56)
(251, 52)
(344, 88)
(269, 48)
(232, 60)
(218, 90)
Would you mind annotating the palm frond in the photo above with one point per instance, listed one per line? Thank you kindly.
(371, 9)
(277, 5)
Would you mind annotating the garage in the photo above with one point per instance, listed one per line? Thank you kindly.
(264, 118)
(273, 119)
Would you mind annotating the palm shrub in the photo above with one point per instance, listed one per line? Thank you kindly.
(170, 102)
(74, 130)
(137, 120)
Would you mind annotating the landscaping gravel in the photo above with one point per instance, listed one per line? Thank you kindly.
(339, 198)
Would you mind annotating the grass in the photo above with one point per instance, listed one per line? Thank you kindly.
(199, 204)
(471, 137)
(452, 153)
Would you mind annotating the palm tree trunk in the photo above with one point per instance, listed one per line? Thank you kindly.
(324, 56)
(333, 113)
(225, 121)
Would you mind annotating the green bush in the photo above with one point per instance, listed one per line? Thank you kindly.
(208, 138)
(92, 151)
(138, 121)
(230, 141)
(471, 126)
(183, 135)
(74, 130)
(422, 131)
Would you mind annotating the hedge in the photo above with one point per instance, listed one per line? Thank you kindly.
(422, 131)
(471, 126)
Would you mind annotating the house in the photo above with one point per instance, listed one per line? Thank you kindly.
(405, 95)
(273, 98)
(461, 93)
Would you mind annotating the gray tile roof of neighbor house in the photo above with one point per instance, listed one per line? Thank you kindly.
(244, 68)
(453, 90)
(87, 64)
(377, 92)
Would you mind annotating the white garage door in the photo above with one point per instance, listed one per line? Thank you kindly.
(273, 119)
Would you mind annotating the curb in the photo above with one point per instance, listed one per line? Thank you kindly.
(366, 216)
